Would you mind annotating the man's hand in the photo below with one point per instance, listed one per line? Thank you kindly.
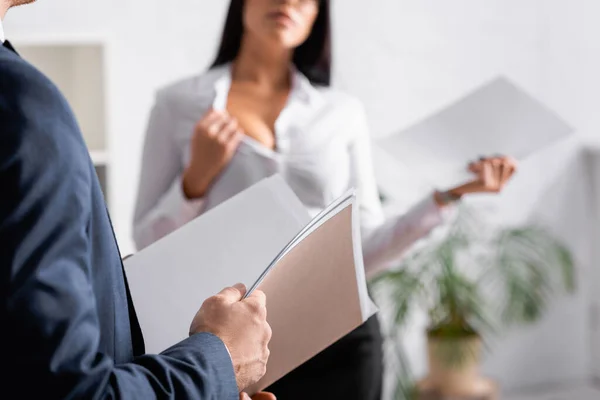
(258, 396)
(242, 326)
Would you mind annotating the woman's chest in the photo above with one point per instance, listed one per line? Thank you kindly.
(311, 152)
(257, 113)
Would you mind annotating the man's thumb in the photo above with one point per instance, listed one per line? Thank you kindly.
(235, 293)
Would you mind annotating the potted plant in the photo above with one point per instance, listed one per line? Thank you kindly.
(471, 280)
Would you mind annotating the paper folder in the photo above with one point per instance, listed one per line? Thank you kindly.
(310, 269)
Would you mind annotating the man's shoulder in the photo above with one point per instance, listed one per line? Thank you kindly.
(23, 86)
(26, 94)
(33, 112)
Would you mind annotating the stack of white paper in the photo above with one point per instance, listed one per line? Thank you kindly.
(311, 271)
(498, 118)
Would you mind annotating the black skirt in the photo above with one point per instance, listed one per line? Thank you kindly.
(350, 369)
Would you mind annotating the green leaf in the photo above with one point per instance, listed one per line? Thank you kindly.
(404, 287)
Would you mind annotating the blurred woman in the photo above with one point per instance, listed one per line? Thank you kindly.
(265, 107)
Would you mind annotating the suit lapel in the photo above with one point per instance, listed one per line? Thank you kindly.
(137, 338)
(9, 46)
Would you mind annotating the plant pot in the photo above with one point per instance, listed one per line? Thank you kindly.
(454, 369)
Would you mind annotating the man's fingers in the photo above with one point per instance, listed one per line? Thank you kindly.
(241, 287)
(233, 294)
(257, 302)
(259, 297)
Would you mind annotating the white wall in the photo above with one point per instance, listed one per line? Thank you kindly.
(404, 59)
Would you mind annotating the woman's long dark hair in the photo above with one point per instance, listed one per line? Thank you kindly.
(312, 58)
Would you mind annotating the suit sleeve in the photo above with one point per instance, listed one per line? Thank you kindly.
(49, 319)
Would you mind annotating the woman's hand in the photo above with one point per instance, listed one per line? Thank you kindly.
(214, 142)
(258, 396)
(492, 174)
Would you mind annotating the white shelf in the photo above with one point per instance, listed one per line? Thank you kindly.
(99, 157)
(59, 39)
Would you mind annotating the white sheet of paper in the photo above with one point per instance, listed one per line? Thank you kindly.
(231, 243)
(498, 118)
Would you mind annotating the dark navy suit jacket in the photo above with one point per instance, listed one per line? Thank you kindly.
(67, 325)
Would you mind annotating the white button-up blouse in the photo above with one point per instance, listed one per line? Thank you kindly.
(323, 149)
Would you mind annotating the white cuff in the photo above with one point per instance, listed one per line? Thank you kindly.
(429, 214)
(172, 212)
(178, 206)
(434, 214)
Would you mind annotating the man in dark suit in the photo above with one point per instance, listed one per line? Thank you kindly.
(67, 325)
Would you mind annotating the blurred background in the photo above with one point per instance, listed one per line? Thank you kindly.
(405, 59)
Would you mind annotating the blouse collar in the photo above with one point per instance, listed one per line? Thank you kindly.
(302, 88)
